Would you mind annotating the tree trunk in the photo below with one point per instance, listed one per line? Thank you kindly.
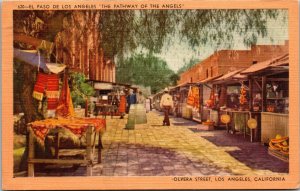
(28, 104)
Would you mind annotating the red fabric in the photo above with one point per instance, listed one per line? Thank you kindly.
(49, 84)
(77, 126)
(122, 106)
(65, 105)
(41, 82)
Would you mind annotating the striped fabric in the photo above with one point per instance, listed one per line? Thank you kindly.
(49, 84)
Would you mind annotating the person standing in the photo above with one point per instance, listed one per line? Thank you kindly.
(122, 106)
(148, 105)
(166, 103)
(131, 99)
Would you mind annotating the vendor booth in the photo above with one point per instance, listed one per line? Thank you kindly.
(269, 82)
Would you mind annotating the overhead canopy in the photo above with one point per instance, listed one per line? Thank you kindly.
(210, 79)
(282, 60)
(34, 58)
(103, 86)
(233, 76)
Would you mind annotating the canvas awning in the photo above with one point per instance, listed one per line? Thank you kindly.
(210, 79)
(233, 76)
(279, 61)
(34, 58)
(103, 86)
(228, 75)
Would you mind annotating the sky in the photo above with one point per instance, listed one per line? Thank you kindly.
(179, 52)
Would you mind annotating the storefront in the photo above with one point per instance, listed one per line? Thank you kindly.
(269, 87)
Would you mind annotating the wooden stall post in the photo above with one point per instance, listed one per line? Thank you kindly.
(201, 100)
(100, 146)
(250, 93)
(89, 158)
(57, 140)
(264, 93)
(86, 109)
(30, 152)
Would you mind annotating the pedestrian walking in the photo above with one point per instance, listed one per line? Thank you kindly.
(166, 103)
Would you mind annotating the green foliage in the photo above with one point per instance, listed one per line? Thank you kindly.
(122, 31)
(80, 90)
(146, 70)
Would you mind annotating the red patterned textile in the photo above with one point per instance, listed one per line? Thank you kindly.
(77, 126)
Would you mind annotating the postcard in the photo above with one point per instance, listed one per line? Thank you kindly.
(150, 95)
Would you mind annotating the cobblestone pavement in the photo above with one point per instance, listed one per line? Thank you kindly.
(155, 150)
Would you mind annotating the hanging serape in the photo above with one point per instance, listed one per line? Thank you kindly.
(49, 84)
(65, 106)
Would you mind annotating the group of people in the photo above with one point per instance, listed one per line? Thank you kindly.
(128, 98)
(125, 99)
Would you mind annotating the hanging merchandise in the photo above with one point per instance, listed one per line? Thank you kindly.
(190, 99)
(195, 91)
(47, 84)
(243, 92)
(65, 105)
(211, 102)
(52, 91)
(40, 86)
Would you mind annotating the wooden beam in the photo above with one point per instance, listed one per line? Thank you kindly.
(264, 93)
(278, 79)
(19, 37)
(258, 85)
(250, 93)
(57, 161)
(30, 152)
(89, 158)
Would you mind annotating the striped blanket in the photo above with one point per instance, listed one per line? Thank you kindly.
(47, 84)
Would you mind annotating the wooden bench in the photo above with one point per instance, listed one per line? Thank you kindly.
(89, 151)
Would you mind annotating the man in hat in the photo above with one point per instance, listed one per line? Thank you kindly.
(166, 103)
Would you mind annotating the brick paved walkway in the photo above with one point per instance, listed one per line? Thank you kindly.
(155, 150)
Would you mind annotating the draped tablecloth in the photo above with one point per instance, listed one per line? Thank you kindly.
(77, 126)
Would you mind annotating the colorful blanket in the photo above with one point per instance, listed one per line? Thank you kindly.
(49, 84)
(76, 126)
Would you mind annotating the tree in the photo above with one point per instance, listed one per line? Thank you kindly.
(89, 38)
(147, 70)
(80, 90)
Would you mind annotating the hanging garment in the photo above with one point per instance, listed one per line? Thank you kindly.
(49, 84)
(65, 106)
(190, 99)
(40, 86)
(122, 106)
(52, 91)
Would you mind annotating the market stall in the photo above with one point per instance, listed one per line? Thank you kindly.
(233, 104)
(269, 94)
(209, 95)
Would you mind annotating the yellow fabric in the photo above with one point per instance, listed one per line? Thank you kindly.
(37, 95)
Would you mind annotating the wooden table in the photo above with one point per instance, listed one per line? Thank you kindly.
(105, 108)
(90, 133)
(232, 114)
(254, 133)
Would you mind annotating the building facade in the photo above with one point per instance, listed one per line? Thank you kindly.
(224, 61)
